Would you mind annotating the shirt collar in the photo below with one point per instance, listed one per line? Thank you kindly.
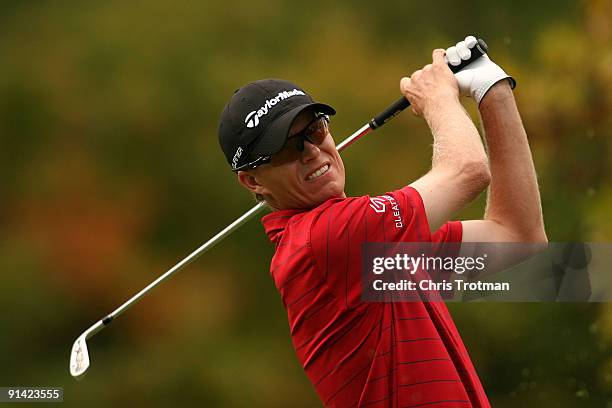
(276, 222)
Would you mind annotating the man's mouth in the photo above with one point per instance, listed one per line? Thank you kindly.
(318, 173)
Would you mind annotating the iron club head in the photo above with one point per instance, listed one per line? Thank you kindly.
(79, 357)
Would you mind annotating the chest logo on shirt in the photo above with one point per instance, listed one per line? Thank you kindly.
(379, 205)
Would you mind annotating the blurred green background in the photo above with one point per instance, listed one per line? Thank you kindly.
(112, 173)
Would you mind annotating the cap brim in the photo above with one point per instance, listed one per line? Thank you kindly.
(276, 134)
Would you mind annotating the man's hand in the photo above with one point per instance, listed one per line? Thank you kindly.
(431, 88)
(479, 76)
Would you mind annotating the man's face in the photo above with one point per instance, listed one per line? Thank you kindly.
(298, 180)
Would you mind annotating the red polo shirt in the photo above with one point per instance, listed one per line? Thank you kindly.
(359, 354)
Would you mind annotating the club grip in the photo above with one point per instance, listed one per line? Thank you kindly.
(402, 103)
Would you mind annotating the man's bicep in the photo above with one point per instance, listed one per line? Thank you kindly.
(490, 236)
(443, 195)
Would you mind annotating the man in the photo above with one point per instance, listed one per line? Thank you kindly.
(277, 140)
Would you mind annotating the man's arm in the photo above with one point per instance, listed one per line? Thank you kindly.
(459, 165)
(514, 211)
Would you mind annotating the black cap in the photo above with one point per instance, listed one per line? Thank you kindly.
(256, 120)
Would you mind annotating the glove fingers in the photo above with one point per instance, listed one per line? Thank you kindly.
(463, 50)
(453, 56)
(470, 41)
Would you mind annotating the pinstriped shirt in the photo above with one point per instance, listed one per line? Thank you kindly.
(367, 354)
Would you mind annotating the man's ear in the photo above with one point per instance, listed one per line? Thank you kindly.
(249, 181)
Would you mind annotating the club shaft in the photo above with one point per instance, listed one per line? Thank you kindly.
(99, 325)
(364, 130)
(190, 258)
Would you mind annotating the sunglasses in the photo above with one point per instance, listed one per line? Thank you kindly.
(314, 132)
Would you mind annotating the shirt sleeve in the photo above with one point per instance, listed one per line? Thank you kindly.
(450, 232)
(339, 230)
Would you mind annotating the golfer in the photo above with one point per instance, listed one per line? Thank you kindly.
(375, 354)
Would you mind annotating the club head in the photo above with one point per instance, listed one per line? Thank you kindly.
(79, 357)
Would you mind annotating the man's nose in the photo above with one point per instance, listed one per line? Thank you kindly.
(311, 150)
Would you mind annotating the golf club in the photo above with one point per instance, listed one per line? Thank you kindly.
(79, 357)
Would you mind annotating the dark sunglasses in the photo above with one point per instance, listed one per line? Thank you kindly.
(314, 132)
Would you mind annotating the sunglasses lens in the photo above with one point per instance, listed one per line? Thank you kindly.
(315, 133)
(299, 144)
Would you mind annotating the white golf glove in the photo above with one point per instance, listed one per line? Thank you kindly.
(479, 76)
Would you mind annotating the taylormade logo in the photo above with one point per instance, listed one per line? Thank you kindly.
(252, 119)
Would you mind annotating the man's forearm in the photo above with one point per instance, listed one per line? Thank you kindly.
(459, 166)
(513, 198)
(457, 143)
